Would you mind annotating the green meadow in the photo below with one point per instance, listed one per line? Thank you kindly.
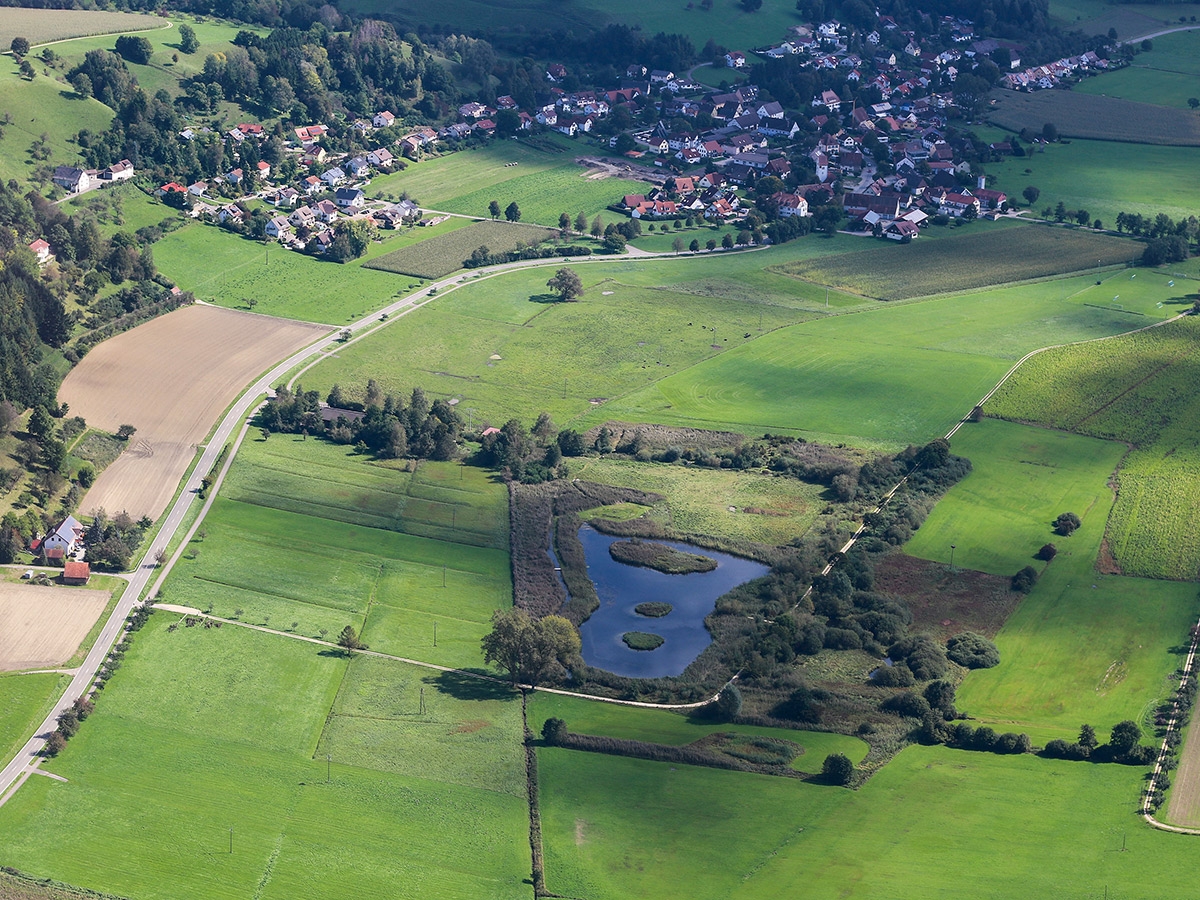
(932, 823)
(1082, 646)
(24, 702)
(206, 762)
(542, 180)
(226, 269)
(1165, 76)
(308, 537)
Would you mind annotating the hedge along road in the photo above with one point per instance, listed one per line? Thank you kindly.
(29, 757)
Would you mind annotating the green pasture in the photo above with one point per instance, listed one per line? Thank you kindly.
(933, 823)
(1131, 20)
(727, 22)
(226, 269)
(305, 532)
(122, 207)
(1095, 116)
(1022, 479)
(24, 702)
(699, 500)
(1105, 178)
(894, 375)
(1165, 76)
(229, 733)
(446, 252)
(409, 236)
(661, 726)
(1135, 389)
(39, 107)
(543, 182)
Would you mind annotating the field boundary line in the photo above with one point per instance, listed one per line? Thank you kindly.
(192, 611)
(1165, 748)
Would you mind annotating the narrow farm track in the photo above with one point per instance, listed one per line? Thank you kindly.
(18, 769)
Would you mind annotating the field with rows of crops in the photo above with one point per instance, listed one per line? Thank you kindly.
(439, 256)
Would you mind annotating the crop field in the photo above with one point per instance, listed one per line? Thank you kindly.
(41, 106)
(1133, 389)
(230, 731)
(170, 378)
(41, 627)
(765, 508)
(441, 255)
(1105, 178)
(544, 182)
(904, 375)
(665, 727)
(892, 271)
(1022, 478)
(1183, 799)
(306, 536)
(24, 702)
(226, 269)
(1096, 117)
(41, 26)
(407, 236)
(727, 21)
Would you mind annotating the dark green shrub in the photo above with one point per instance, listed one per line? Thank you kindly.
(972, 650)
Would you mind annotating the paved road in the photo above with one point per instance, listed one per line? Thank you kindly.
(1154, 34)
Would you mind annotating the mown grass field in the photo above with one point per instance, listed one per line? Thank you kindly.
(226, 269)
(891, 271)
(1166, 76)
(229, 730)
(888, 377)
(445, 253)
(662, 726)
(123, 207)
(986, 826)
(700, 499)
(41, 26)
(1103, 177)
(306, 533)
(1097, 117)
(1134, 389)
(24, 702)
(543, 180)
(1023, 477)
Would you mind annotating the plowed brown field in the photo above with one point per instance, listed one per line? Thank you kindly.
(171, 378)
(42, 627)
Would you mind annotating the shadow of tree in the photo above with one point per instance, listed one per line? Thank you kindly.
(463, 686)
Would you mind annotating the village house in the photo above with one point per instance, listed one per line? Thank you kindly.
(62, 542)
(350, 198)
(383, 119)
(381, 158)
(121, 171)
(358, 167)
(264, 169)
(311, 184)
(71, 178)
(333, 176)
(41, 249)
(197, 189)
(278, 227)
(326, 210)
(287, 196)
(303, 217)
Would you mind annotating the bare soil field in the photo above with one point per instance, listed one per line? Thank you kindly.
(1183, 806)
(171, 378)
(41, 627)
(945, 603)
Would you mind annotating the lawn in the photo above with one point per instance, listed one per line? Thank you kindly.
(123, 207)
(226, 269)
(888, 377)
(701, 499)
(1133, 389)
(892, 271)
(306, 536)
(1097, 116)
(446, 253)
(542, 180)
(24, 702)
(1023, 477)
(1105, 178)
(226, 727)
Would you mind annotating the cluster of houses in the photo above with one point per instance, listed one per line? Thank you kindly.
(709, 196)
(76, 180)
(1042, 78)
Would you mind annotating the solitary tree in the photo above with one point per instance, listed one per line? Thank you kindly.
(564, 222)
(531, 650)
(125, 432)
(566, 283)
(1067, 523)
(837, 769)
(348, 640)
(494, 209)
(188, 42)
(729, 703)
(512, 212)
(677, 245)
(19, 46)
(1194, 102)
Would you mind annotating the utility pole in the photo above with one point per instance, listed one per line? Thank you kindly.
(231, 840)
(328, 764)
(434, 638)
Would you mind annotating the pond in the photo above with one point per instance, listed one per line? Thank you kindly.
(622, 587)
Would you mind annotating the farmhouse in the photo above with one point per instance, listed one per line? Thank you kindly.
(901, 230)
(63, 541)
(76, 572)
(72, 179)
(121, 171)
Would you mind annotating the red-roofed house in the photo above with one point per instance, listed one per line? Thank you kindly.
(41, 249)
(76, 572)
